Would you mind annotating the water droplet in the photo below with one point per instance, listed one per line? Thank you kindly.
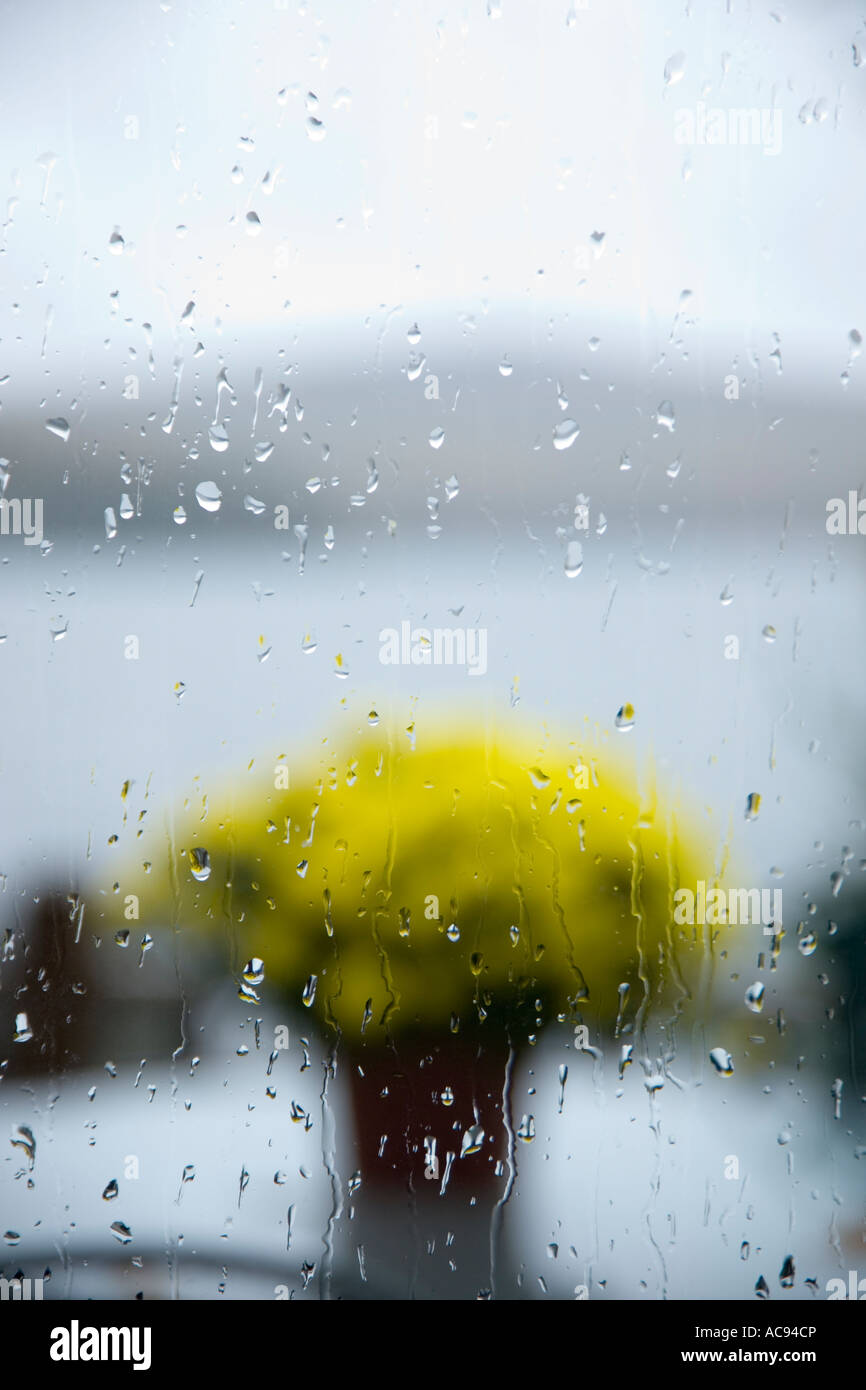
(219, 440)
(254, 971)
(453, 932)
(452, 487)
(472, 1141)
(315, 128)
(179, 516)
(116, 243)
(768, 633)
(565, 433)
(526, 1129)
(309, 992)
(110, 524)
(762, 1288)
(199, 863)
(675, 68)
(787, 1273)
(727, 595)
(625, 717)
(807, 944)
(447, 1096)
(414, 334)
(722, 1061)
(208, 496)
(505, 367)
(753, 806)
(755, 997)
(254, 224)
(60, 427)
(121, 1232)
(436, 437)
(373, 718)
(22, 1138)
(665, 416)
(23, 1032)
(573, 559)
(252, 504)
(110, 1191)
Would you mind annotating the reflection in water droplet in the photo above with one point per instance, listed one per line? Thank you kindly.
(755, 997)
(722, 1061)
(473, 1138)
(526, 1129)
(254, 971)
(453, 932)
(199, 862)
(625, 717)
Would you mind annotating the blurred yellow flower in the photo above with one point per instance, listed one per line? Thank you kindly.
(468, 880)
